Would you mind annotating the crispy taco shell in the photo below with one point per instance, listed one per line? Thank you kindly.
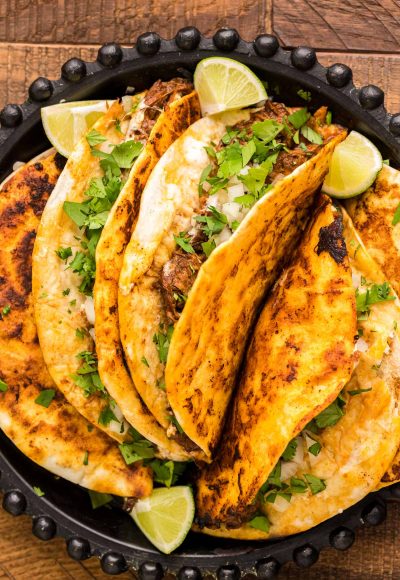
(109, 257)
(210, 336)
(299, 359)
(356, 451)
(58, 438)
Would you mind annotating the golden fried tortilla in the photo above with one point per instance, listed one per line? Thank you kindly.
(356, 451)
(58, 438)
(300, 357)
(109, 257)
(210, 336)
(373, 214)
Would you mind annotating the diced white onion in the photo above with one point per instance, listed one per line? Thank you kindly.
(92, 333)
(299, 455)
(356, 276)
(235, 191)
(88, 309)
(361, 345)
(232, 211)
(280, 504)
(17, 165)
(223, 236)
(288, 469)
(194, 151)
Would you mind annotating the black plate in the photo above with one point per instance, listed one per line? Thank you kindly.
(65, 509)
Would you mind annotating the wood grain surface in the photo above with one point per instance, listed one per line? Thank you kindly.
(37, 36)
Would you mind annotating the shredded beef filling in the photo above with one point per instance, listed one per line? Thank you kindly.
(161, 94)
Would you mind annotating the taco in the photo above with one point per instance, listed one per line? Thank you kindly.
(221, 212)
(113, 156)
(302, 445)
(376, 216)
(33, 413)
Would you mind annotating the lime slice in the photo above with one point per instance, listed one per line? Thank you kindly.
(165, 517)
(223, 84)
(66, 123)
(354, 166)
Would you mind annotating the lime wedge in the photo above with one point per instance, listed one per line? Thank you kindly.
(66, 123)
(353, 168)
(224, 84)
(165, 517)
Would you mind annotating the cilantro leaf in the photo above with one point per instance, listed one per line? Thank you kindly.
(328, 118)
(248, 151)
(396, 217)
(297, 485)
(260, 523)
(6, 310)
(305, 95)
(38, 491)
(299, 118)
(230, 161)
(145, 361)
(266, 130)
(64, 253)
(125, 153)
(136, 451)
(208, 247)
(183, 241)
(99, 499)
(315, 484)
(76, 211)
(95, 138)
(45, 397)
(162, 341)
(247, 200)
(203, 177)
(311, 135)
(106, 416)
(315, 448)
(275, 476)
(3, 386)
(255, 178)
(214, 223)
(86, 458)
(373, 295)
(290, 450)
(359, 391)
(329, 416)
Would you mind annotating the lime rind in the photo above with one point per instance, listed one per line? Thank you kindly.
(165, 518)
(66, 123)
(353, 168)
(224, 84)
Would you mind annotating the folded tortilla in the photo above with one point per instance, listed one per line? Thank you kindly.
(109, 256)
(64, 310)
(299, 359)
(188, 387)
(374, 217)
(56, 437)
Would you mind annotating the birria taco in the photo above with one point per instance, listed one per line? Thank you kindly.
(33, 414)
(314, 434)
(113, 160)
(376, 217)
(221, 213)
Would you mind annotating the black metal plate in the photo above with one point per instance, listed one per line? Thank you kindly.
(65, 509)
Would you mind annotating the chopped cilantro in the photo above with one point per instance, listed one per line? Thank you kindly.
(290, 450)
(246, 200)
(66, 291)
(144, 361)
(234, 225)
(81, 333)
(208, 247)
(315, 448)
(162, 340)
(45, 397)
(183, 241)
(86, 458)
(3, 386)
(315, 484)
(297, 485)
(328, 118)
(211, 152)
(305, 95)
(386, 161)
(95, 138)
(125, 153)
(167, 472)
(77, 212)
(275, 476)
(64, 253)
(358, 391)
(260, 523)
(84, 265)
(38, 491)
(203, 177)
(299, 118)
(330, 416)
(248, 151)
(99, 499)
(373, 295)
(6, 310)
(106, 416)
(266, 130)
(255, 178)
(160, 383)
(214, 223)
(396, 217)
(136, 451)
(174, 421)
(311, 135)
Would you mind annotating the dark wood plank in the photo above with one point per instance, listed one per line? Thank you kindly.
(374, 556)
(365, 25)
(20, 64)
(69, 21)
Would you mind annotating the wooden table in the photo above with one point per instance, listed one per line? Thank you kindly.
(37, 36)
